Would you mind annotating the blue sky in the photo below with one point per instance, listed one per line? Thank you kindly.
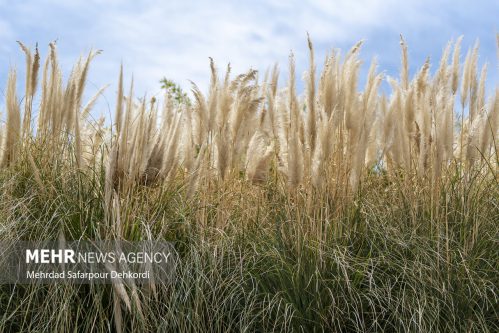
(175, 38)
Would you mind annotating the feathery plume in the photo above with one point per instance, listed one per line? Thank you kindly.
(13, 124)
(455, 64)
(404, 73)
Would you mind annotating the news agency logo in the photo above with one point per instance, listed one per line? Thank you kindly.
(87, 262)
(66, 256)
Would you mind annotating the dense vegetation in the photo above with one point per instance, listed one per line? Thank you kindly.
(342, 210)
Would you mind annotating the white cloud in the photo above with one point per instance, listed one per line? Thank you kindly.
(156, 38)
(176, 40)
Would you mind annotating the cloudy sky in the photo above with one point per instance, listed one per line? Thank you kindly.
(175, 38)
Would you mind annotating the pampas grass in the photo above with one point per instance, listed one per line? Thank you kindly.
(13, 125)
(336, 209)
